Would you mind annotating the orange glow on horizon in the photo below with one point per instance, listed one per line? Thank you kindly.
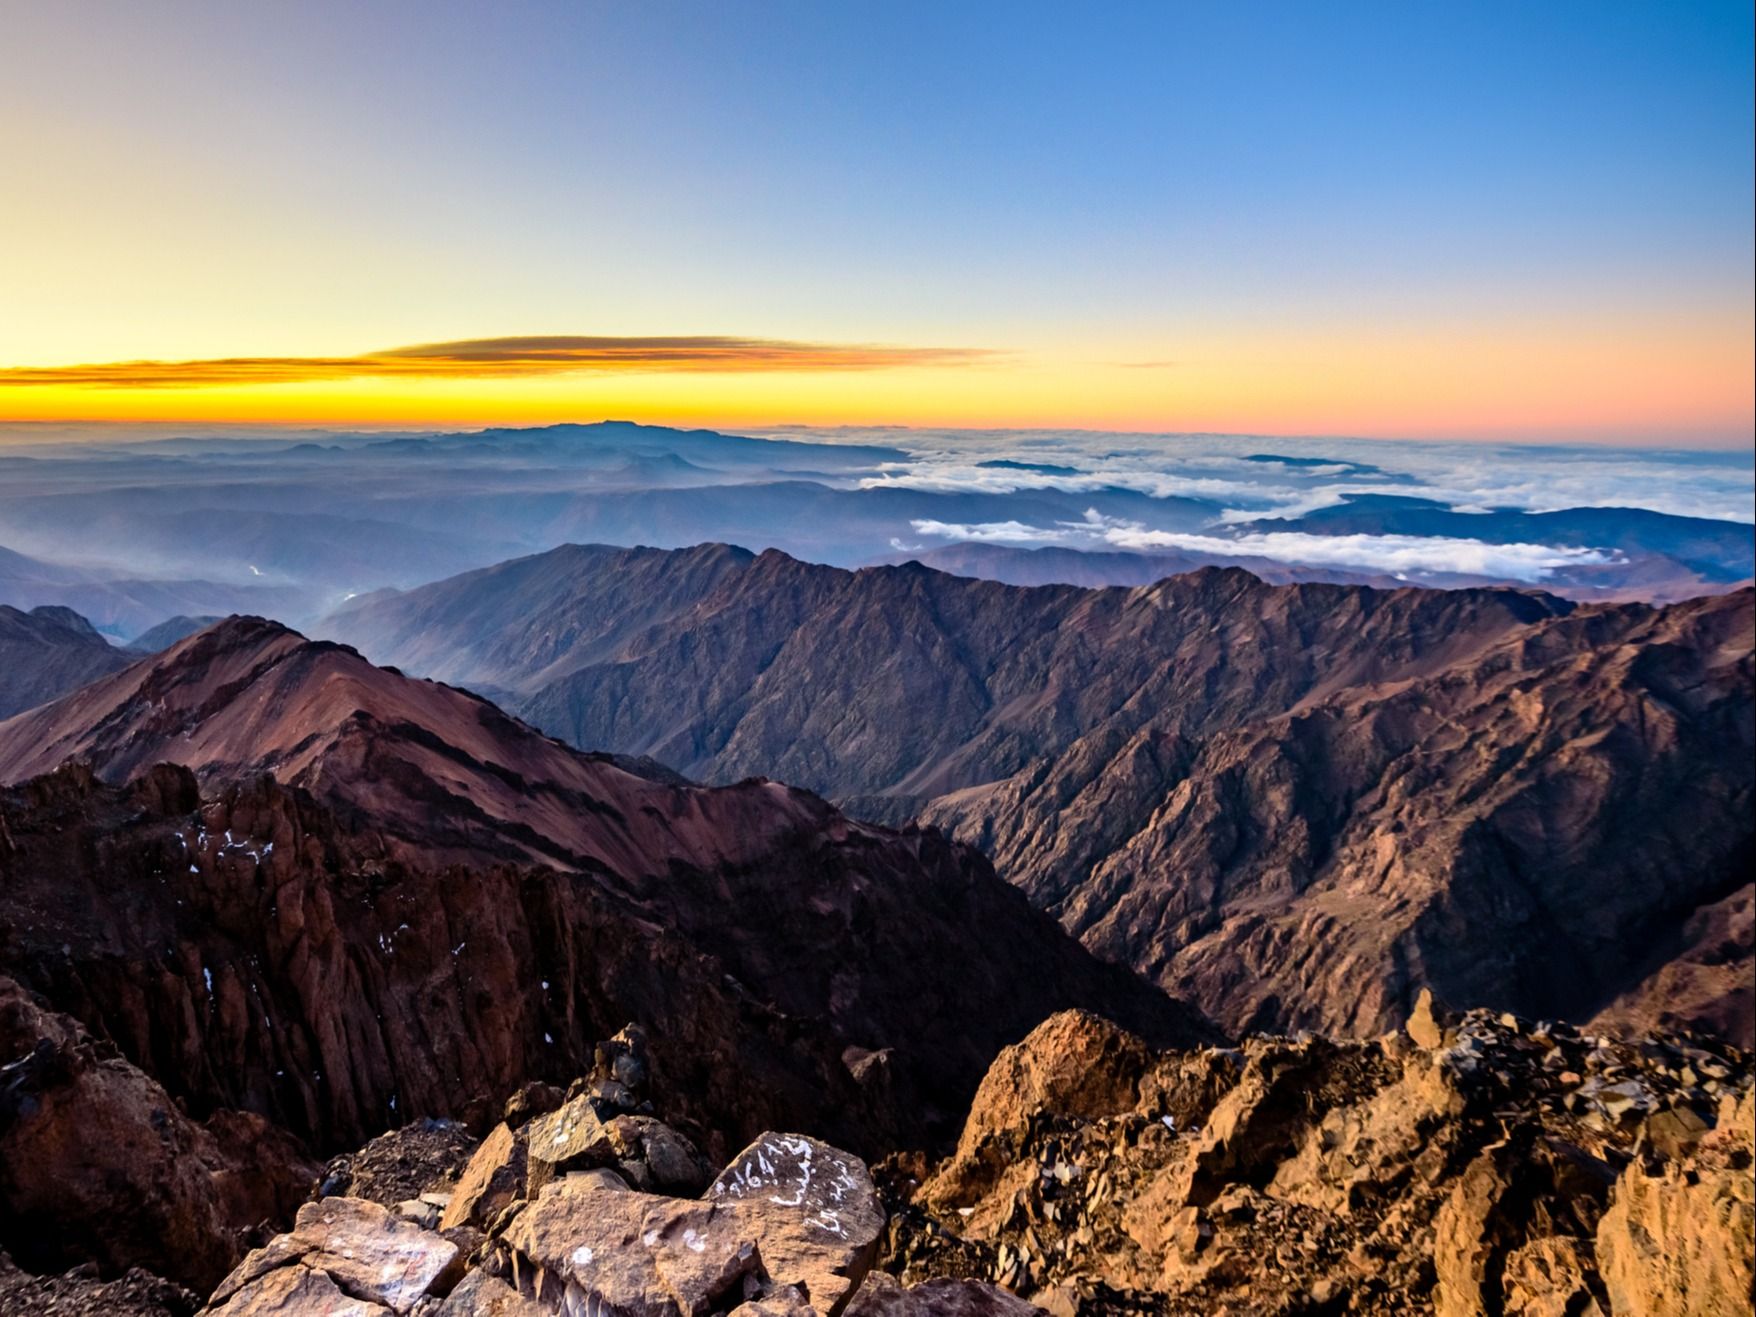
(1690, 384)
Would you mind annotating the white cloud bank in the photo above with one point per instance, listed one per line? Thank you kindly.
(1398, 555)
(1395, 555)
(1298, 475)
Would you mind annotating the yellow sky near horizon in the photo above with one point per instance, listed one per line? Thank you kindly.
(1688, 383)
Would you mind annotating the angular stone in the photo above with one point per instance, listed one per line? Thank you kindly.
(703, 1252)
(635, 1254)
(1428, 1021)
(493, 1178)
(572, 1136)
(360, 1247)
(481, 1295)
(294, 1292)
(814, 1212)
(676, 1165)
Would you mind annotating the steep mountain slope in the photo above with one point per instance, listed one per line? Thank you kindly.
(1297, 804)
(1519, 829)
(47, 652)
(433, 904)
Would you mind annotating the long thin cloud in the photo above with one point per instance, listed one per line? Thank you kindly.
(499, 358)
(1395, 554)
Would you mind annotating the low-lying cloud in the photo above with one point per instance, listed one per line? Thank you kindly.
(1396, 555)
(1393, 555)
(1249, 478)
(483, 358)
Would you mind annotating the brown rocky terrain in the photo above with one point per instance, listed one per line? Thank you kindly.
(47, 652)
(1520, 829)
(1482, 1164)
(1293, 805)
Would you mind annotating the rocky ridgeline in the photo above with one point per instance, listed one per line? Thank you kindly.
(1473, 1165)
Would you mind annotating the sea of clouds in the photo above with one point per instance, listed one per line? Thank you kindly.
(1251, 479)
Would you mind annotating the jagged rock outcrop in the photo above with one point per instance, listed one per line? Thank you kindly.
(1680, 1233)
(1262, 797)
(49, 651)
(249, 952)
(1508, 1167)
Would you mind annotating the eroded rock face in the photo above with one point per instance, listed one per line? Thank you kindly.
(1506, 1167)
(1294, 806)
(98, 1163)
(1680, 1235)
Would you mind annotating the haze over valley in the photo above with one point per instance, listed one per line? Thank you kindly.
(132, 530)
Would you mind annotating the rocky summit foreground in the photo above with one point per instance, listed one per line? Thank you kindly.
(1463, 1165)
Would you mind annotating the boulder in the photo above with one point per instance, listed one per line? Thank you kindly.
(792, 1225)
(574, 1136)
(634, 1254)
(532, 1100)
(816, 1211)
(348, 1251)
(482, 1295)
(670, 1161)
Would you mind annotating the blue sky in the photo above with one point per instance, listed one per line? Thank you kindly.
(1350, 193)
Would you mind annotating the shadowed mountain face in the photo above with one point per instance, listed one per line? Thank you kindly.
(1296, 805)
(430, 904)
(47, 652)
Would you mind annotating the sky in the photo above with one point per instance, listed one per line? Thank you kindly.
(1505, 222)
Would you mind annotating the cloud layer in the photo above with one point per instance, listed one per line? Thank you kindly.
(1394, 555)
(498, 358)
(1248, 478)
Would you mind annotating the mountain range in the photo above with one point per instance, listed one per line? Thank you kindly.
(1292, 805)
